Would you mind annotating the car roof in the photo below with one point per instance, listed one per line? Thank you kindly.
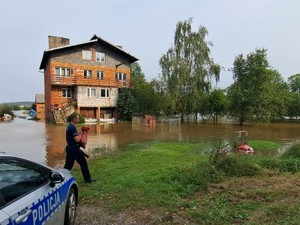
(3, 153)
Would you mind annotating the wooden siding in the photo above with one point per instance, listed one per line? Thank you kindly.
(77, 76)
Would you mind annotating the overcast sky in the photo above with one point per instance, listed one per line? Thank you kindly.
(145, 29)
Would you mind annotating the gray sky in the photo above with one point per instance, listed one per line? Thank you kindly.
(145, 29)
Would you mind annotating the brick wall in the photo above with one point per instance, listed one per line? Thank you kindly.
(47, 94)
(55, 42)
(40, 111)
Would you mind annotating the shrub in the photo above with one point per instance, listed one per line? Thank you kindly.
(271, 163)
(232, 164)
(293, 151)
(284, 164)
(291, 165)
(197, 177)
(81, 118)
(5, 109)
(239, 165)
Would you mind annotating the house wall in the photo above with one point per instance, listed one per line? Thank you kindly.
(57, 100)
(84, 101)
(77, 76)
(72, 58)
(40, 111)
(47, 94)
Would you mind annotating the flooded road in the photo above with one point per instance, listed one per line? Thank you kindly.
(45, 143)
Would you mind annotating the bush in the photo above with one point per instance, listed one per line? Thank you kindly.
(197, 177)
(293, 151)
(232, 164)
(271, 163)
(81, 118)
(285, 164)
(291, 165)
(238, 165)
(5, 109)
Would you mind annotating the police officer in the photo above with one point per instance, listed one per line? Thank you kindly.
(73, 149)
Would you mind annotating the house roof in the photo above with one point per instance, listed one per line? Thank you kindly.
(39, 98)
(94, 39)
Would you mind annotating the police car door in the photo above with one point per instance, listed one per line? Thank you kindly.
(4, 219)
(28, 195)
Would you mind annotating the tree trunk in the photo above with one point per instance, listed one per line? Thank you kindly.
(241, 121)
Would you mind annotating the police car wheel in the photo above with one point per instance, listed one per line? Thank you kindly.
(71, 208)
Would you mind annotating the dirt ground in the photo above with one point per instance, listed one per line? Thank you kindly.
(99, 216)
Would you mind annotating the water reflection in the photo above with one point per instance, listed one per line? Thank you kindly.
(46, 143)
(24, 138)
(56, 141)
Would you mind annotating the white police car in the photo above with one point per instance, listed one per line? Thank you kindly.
(32, 193)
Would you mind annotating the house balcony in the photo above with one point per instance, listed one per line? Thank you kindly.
(82, 81)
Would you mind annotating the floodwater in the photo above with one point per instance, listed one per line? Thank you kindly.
(45, 143)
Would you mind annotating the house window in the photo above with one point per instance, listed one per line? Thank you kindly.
(66, 92)
(104, 93)
(121, 76)
(87, 74)
(91, 92)
(100, 57)
(86, 55)
(63, 71)
(100, 75)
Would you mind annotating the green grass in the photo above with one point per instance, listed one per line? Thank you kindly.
(203, 188)
(263, 145)
(142, 175)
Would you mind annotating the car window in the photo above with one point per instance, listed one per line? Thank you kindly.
(19, 177)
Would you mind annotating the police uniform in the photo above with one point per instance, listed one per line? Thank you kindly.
(74, 153)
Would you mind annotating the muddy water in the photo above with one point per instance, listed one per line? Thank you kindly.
(45, 143)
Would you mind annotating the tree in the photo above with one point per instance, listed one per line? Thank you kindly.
(217, 103)
(6, 109)
(294, 82)
(258, 92)
(187, 69)
(146, 101)
(125, 104)
(294, 105)
(277, 95)
(33, 106)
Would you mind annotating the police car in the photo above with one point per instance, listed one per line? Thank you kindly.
(32, 193)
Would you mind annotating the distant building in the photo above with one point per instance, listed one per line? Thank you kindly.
(40, 106)
(84, 77)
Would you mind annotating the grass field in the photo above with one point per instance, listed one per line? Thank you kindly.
(200, 186)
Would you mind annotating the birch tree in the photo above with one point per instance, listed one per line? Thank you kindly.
(187, 69)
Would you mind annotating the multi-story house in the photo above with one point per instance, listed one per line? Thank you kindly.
(86, 77)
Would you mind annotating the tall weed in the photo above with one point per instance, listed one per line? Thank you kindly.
(293, 151)
(232, 164)
(197, 177)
